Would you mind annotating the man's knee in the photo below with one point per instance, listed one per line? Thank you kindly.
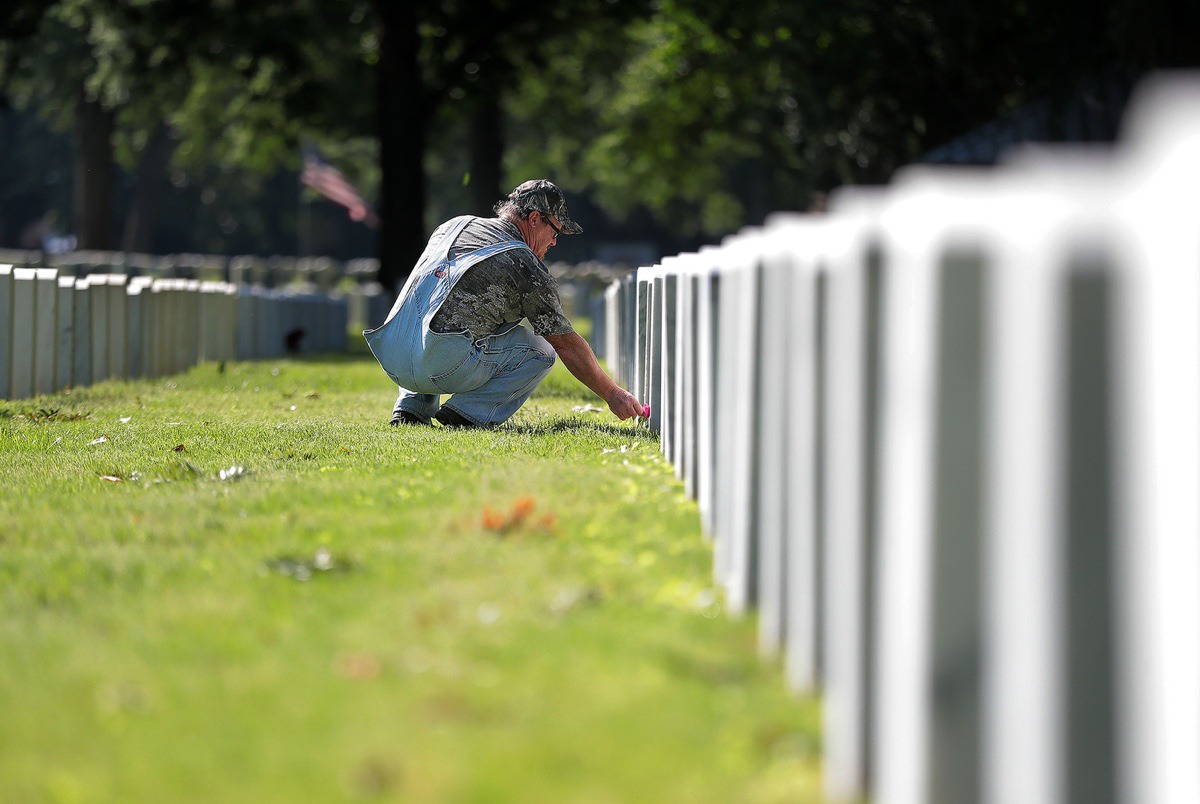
(547, 351)
(544, 356)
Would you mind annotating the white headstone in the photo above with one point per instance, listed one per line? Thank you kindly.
(669, 293)
(737, 548)
(64, 361)
(99, 296)
(81, 365)
(850, 490)
(708, 306)
(775, 323)
(46, 330)
(1157, 547)
(24, 320)
(118, 326)
(7, 340)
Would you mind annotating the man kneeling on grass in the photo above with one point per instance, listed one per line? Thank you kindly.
(455, 328)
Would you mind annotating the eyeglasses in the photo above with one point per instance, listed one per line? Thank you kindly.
(546, 218)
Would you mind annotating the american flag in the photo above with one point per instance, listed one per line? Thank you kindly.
(329, 182)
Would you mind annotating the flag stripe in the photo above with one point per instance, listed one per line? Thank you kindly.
(329, 182)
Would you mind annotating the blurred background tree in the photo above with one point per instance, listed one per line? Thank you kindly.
(669, 121)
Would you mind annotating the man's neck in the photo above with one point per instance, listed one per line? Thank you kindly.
(522, 225)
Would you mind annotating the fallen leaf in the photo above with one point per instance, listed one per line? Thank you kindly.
(180, 448)
(111, 478)
(492, 520)
(359, 666)
(515, 518)
(520, 510)
(99, 440)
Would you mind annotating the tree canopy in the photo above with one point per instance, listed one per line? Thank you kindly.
(700, 116)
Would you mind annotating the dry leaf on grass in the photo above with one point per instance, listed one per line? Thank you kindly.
(516, 518)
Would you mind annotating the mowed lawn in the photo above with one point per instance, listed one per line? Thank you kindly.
(241, 584)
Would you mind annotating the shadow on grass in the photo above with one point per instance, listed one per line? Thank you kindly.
(576, 425)
(331, 357)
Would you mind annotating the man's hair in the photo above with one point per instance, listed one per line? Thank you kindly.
(506, 206)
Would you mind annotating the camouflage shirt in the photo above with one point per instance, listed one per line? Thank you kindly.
(501, 289)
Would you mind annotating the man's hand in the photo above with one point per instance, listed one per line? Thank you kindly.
(577, 356)
(624, 404)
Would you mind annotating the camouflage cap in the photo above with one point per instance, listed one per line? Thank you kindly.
(544, 196)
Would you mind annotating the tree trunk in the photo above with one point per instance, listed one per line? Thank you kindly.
(403, 131)
(143, 207)
(487, 152)
(93, 174)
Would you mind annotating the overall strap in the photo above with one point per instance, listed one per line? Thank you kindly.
(432, 258)
(460, 223)
(465, 261)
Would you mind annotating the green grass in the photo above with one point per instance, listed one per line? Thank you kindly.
(362, 612)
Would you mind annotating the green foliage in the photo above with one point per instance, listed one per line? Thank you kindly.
(357, 610)
(703, 115)
(709, 113)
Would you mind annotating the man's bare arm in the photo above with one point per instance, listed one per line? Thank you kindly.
(579, 359)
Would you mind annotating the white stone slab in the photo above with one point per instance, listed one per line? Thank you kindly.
(612, 350)
(64, 360)
(643, 323)
(246, 303)
(850, 492)
(24, 320)
(668, 421)
(775, 324)
(936, 265)
(708, 404)
(190, 334)
(211, 322)
(45, 347)
(783, 349)
(7, 340)
(229, 333)
(135, 293)
(736, 552)
(1092, 690)
(141, 311)
(806, 462)
(683, 404)
(81, 365)
(100, 328)
(1157, 545)
(118, 326)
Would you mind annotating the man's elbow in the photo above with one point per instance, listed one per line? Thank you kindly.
(564, 345)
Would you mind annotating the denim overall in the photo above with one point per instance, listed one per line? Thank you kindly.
(490, 378)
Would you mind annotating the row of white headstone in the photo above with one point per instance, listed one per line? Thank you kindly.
(946, 442)
(60, 331)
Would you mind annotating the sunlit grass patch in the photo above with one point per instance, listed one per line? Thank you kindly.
(245, 585)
